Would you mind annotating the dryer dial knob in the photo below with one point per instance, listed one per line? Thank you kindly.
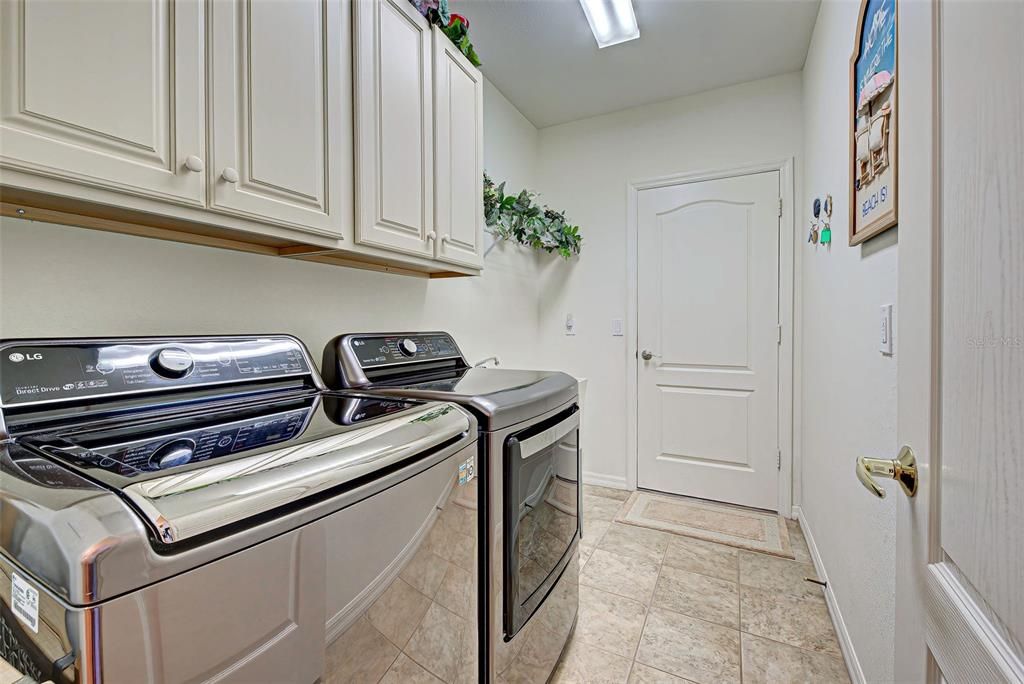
(172, 362)
(407, 347)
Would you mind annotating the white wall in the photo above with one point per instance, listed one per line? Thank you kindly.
(848, 389)
(585, 167)
(64, 281)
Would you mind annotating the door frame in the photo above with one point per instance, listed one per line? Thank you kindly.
(787, 419)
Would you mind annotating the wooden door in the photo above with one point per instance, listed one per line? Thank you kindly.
(707, 314)
(458, 155)
(960, 343)
(394, 131)
(105, 94)
(280, 119)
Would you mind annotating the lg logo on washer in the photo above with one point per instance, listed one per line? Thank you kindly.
(18, 357)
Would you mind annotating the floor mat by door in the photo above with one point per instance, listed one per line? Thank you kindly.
(745, 528)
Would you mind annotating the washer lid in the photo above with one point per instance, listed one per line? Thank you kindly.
(190, 475)
(184, 505)
(90, 533)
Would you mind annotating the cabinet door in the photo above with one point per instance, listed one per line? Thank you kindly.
(105, 94)
(281, 112)
(458, 155)
(394, 127)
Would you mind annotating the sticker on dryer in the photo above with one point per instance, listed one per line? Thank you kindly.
(467, 471)
(25, 602)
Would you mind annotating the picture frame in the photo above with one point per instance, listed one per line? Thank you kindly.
(874, 116)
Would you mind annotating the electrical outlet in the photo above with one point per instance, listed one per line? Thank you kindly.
(885, 341)
(570, 325)
(616, 327)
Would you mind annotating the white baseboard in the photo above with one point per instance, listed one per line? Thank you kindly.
(343, 619)
(613, 481)
(845, 643)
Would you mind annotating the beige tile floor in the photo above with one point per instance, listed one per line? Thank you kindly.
(660, 608)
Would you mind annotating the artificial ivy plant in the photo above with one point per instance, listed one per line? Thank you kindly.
(455, 26)
(520, 219)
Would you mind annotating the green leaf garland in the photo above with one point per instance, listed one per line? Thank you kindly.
(520, 219)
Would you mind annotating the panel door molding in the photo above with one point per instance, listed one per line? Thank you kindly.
(394, 127)
(458, 155)
(279, 115)
(108, 95)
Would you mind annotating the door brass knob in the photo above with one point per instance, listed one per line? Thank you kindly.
(903, 470)
(646, 355)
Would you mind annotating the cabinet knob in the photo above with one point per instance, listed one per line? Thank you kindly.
(431, 236)
(230, 175)
(445, 239)
(193, 163)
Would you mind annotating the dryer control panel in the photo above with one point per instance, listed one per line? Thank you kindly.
(361, 359)
(385, 350)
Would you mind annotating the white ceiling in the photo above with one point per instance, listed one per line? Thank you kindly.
(542, 56)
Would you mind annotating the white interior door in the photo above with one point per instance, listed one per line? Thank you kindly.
(960, 540)
(707, 314)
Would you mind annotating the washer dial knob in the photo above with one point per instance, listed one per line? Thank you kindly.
(407, 347)
(175, 453)
(172, 362)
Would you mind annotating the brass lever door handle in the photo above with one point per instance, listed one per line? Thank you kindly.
(903, 470)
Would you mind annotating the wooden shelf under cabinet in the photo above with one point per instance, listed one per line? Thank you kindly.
(35, 206)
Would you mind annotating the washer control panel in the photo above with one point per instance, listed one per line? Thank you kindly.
(41, 372)
(374, 351)
(190, 446)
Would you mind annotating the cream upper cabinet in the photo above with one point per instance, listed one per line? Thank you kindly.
(280, 114)
(345, 129)
(105, 94)
(458, 155)
(394, 145)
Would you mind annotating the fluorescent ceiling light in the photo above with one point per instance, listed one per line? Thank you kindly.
(612, 21)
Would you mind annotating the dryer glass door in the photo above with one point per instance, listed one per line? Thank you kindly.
(542, 497)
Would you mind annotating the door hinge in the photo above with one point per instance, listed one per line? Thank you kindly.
(780, 207)
(778, 328)
(778, 459)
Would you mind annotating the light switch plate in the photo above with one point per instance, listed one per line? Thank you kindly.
(885, 341)
(616, 327)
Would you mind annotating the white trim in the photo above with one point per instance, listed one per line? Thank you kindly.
(845, 643)
(971, 644)
(343, 619)
(787, 311)
(613, 481)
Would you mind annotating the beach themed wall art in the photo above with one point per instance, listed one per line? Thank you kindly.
(873, 121)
